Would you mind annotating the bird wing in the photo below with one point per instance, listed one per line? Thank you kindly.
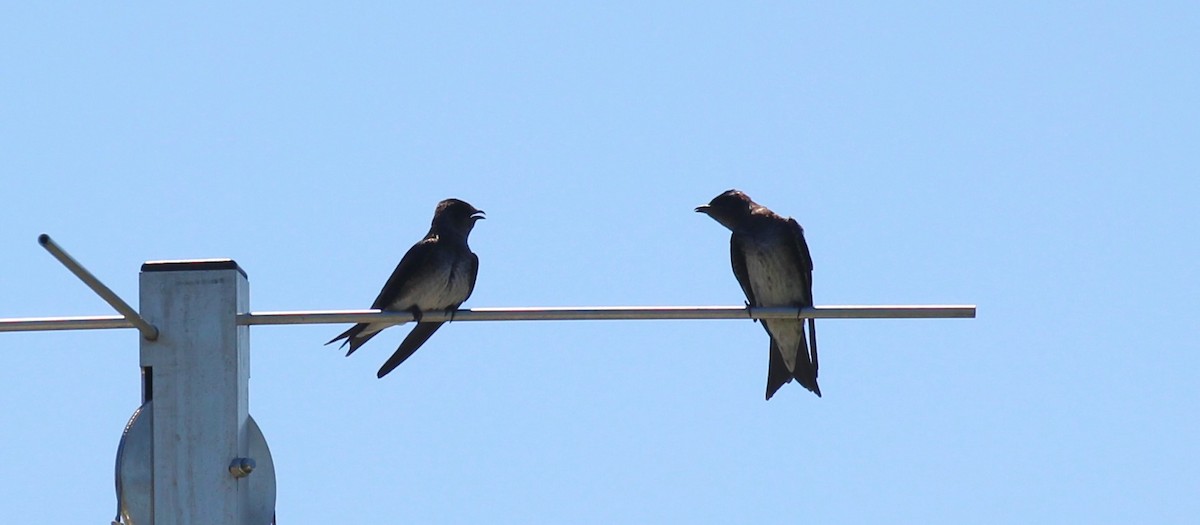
(410, 344)
(472, 272)
(802, 255)
(806, 263)
(414, 262)
(737, 255)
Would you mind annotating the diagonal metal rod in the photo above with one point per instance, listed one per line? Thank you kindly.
(148, 330)
(615, 313)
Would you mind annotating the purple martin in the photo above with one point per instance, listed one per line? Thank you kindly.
(437, 273)
(773, 266)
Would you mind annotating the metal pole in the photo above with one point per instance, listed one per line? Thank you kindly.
(198, 375)
(616, 313)
(148, 330)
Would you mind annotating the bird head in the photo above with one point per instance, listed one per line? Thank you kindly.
(456, 215)
(730, 208)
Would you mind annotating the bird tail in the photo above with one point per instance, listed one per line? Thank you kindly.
(777, 372)
(411, 343)
(812, 336)
(355, 337)
(805, 371)
(806, 360)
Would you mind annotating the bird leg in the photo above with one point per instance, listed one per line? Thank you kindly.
(416, 313)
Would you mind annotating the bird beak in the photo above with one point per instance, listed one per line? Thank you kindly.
(703, 208)
(478, 215)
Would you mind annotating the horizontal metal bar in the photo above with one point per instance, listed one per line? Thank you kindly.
(615, 313)
(148, 330)
(33, 324)
(611, 313)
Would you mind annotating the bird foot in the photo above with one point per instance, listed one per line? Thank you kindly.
(416, 313)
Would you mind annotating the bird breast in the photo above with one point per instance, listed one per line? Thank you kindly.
(445, 283)
(775, 275)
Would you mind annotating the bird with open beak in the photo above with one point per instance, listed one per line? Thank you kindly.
(437, 273)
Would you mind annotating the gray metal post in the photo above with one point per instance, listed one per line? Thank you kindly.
(197, 372)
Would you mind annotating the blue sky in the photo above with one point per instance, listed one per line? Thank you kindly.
(1038, 159)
